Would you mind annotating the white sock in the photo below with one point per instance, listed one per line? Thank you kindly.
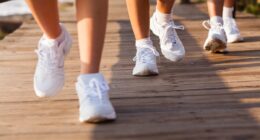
(162, 18)
(60, 38)
(144, 41)
(228, 12)
(216, 19)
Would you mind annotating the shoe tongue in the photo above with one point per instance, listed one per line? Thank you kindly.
(215, 24)
(165, 24)
(85, 78)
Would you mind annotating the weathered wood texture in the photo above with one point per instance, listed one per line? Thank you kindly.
(206, 96)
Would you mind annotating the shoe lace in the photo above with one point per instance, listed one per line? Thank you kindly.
(144, 54)
(48, 57)
(98, 87)
(169, 34)
(216, 26)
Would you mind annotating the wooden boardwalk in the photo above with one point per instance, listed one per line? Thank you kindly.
(206, 96)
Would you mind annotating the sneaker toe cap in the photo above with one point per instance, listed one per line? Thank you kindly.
(175, 55)
(145, 69)
(47, 86)
(97, 113)
(234, 38)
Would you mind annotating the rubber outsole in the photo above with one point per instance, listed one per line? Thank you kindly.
(145, 73)
(98, 120)
(235, 40)
(215, 46)
(170, 57)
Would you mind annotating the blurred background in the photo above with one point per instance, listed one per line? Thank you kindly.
(14, 12)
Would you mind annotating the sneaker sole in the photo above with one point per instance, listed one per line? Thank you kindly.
(235, 40)
(215, 46)
(98, 119)
(170, 57)
(152, 27)
(42, 94)
(145, 73)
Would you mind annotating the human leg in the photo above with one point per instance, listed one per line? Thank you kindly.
(52, 48)
(92, 89)
(216, 40)
(146, 53)
(163, 26)
(230, 26)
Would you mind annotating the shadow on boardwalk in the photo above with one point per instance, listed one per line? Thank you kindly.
(188, 100)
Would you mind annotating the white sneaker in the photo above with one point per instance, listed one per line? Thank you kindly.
(94, 102)
(216, 40)
(49, 74)
(145, 61)
(232, 31)
(171, 45)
